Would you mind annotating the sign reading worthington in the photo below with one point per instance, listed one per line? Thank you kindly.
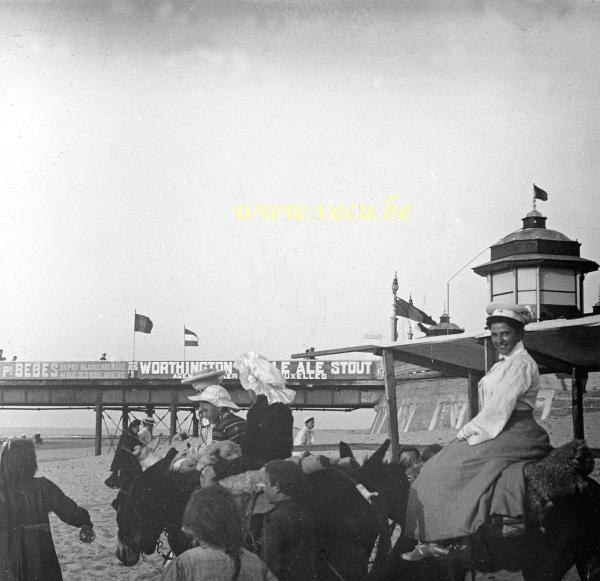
(293, 370)
(63, 370)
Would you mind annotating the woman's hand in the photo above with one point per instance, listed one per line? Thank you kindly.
(464, 432)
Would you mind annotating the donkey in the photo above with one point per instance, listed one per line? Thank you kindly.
(347, 523)
(562, 529)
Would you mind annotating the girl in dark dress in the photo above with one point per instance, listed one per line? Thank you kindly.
(26, 547)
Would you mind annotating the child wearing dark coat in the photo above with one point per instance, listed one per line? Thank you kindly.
(26, 547)
(289, 529)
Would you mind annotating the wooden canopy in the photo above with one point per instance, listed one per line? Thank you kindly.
(558, 346)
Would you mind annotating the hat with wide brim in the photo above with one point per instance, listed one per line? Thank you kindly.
(258, 374)
(204, 379)
(217, 395)
(519, 313)
(148, 421)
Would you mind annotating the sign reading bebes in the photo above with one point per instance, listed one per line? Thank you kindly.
(63, 370)
(291, 370)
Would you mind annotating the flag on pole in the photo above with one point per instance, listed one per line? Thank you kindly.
(142, 324)
(190, 339)
(408, 310)
(539, 193)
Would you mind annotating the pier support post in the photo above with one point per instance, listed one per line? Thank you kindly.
(98, 435)
(125, 418)
(195, 424)
(173, 427)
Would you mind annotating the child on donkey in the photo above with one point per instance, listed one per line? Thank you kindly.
(289, 529)
(27, 550)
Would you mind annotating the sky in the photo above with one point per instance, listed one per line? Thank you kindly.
(134, 134)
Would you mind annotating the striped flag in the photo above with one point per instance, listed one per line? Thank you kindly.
(190, 339)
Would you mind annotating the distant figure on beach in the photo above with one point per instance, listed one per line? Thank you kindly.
(27, 550)
(145, 434)
(103, 357)
(212, 519)
(306, 436)
(123, 467)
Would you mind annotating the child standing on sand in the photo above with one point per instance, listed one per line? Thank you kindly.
(213, 520)
(26, 547)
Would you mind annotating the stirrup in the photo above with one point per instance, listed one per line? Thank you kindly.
(424, 551)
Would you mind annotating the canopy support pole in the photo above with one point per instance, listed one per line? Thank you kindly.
(578, 382)
(389, 380)
(473, 378)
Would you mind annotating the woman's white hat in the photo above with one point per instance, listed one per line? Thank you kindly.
(217, 395)
(261, 376)
(513, 311)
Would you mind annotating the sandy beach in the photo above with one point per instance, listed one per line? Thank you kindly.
(72, 465)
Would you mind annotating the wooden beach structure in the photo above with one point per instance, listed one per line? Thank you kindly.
(569, 346)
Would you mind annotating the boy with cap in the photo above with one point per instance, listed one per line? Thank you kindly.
(215, 405)
(306, 436)
(289, 529)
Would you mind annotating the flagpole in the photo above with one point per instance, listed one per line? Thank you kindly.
(134, 318)
(534, 196)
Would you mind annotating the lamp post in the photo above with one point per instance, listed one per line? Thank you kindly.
(394, 318)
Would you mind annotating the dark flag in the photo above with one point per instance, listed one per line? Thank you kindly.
(190, 339)
(142, 324)
(539, 194)
(409, 311)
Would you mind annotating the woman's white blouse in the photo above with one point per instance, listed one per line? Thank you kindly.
(511, 384)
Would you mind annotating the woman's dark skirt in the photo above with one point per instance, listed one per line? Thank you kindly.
(452, 496)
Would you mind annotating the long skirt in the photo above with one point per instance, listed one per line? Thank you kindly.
(452, 495)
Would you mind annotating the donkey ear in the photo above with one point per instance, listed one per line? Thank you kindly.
(345, 451)
(377, 458)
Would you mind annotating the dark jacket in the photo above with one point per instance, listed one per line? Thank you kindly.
(269, 431)
(289, 542)
(229, 427)
(26, 547)
(268, 436)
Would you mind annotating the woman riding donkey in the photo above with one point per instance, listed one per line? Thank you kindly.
(269, 423)
(451, 498)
